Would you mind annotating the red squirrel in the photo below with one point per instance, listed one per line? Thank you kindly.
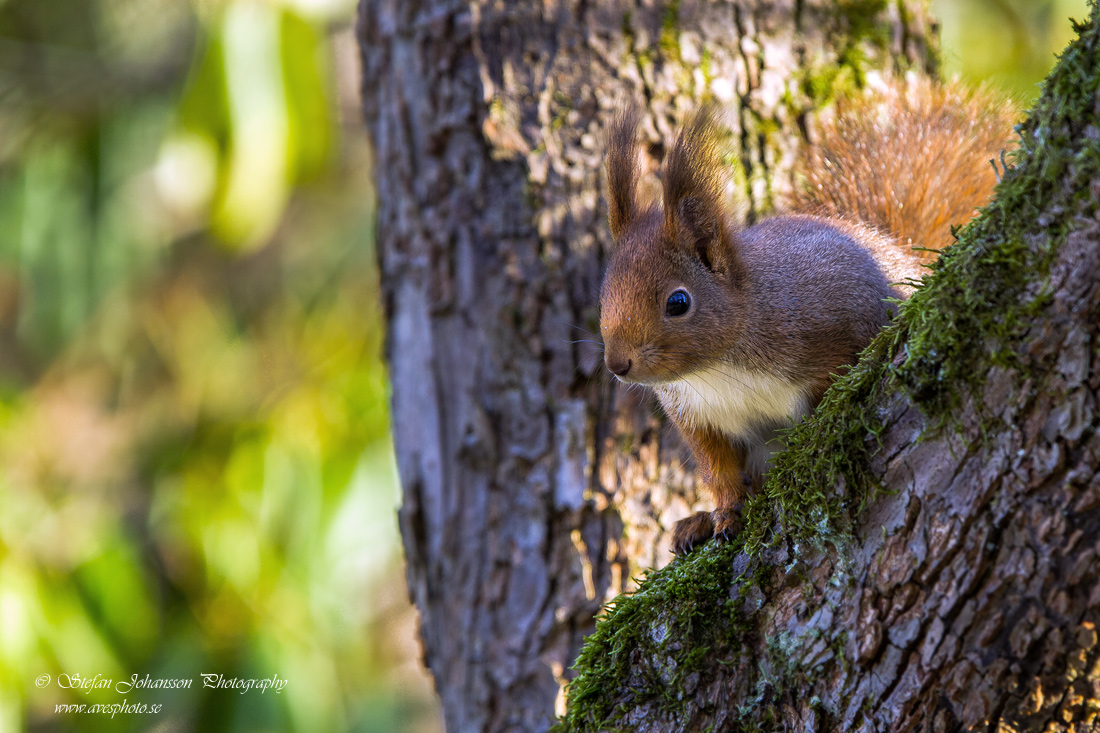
(740, 331)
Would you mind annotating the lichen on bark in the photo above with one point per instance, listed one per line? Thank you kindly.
(924, 555)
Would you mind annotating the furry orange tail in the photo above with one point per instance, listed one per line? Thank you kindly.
(910, 160)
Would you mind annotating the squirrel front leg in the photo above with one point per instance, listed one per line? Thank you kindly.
(719, 468)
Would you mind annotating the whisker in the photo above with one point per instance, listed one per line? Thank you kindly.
(680, 379)
(573, 325)
(726, 375)
(701, 397)
(710, 368)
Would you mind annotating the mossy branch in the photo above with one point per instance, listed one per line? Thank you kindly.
(699, 619)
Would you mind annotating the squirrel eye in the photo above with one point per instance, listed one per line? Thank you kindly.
(678, 303)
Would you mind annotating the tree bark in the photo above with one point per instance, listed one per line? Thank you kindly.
(967, 595)
(533, 488)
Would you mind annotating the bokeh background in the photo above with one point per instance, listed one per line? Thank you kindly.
(195, 464)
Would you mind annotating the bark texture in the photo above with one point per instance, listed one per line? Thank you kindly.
(533, 489)
(967, 598)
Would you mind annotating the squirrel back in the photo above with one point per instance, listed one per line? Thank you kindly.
(910, 159)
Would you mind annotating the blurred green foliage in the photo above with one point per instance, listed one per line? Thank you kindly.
(195, 472)
(1007, 43)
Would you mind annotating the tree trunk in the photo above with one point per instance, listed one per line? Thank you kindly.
(534, 489)
(966, 596)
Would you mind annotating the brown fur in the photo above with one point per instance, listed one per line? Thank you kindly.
(720, 463)
(910, 160)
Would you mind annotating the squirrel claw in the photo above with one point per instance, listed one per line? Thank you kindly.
(727, 523)
(691, 532)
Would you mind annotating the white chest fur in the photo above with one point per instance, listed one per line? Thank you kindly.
(735, 401)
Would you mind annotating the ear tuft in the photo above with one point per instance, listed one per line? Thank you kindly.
(694, 171)
(694, 183)
(622, 171)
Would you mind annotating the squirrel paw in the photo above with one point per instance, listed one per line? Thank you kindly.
(691, 532)
(727, 523)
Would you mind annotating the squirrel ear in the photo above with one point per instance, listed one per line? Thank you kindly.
(693, 193)
(622, 172)
(705, 231)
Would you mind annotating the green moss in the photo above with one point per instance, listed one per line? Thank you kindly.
(824, 84)
(669, 40)
(563, 105)
(681, 612)
(863, 36)
(864, 33)
(967, 318)
(706, 69)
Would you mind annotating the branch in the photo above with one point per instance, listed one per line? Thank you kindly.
(923, 556)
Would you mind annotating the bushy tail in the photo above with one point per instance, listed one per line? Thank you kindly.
(910, 159)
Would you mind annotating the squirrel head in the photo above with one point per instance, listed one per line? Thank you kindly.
(670, 302)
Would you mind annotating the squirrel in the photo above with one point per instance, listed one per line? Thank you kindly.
(740, 331)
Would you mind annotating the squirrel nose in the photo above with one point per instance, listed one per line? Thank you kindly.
(618, 368)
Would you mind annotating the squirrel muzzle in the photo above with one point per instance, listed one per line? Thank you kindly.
(624, 359)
